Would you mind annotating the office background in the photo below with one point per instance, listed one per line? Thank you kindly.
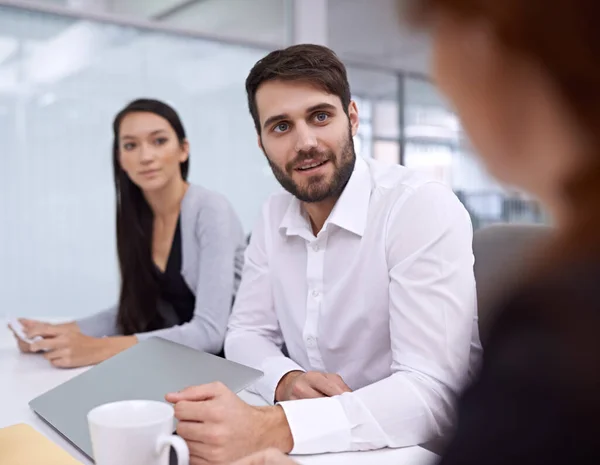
(67, 66)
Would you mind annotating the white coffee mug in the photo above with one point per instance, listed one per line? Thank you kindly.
(135, 432)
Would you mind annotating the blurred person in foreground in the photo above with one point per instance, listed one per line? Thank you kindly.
(524, 77)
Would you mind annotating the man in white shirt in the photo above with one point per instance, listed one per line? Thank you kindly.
(358, 296)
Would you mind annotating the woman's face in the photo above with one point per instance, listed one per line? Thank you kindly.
(149, 150)
(508, 108)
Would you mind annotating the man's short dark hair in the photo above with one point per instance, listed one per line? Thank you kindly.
(313, 64)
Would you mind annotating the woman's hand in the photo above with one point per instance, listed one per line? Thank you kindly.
(23, 346)
(72, 349)
(34, 328)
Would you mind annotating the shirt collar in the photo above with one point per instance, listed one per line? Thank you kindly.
(350, 211)
(295, 222)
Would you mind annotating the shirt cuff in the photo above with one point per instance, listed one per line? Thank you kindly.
(274, 369)
(318, 425)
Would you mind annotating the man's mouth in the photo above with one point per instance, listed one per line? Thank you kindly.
(311, 165)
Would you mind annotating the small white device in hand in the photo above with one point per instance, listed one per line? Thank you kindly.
(17, 327)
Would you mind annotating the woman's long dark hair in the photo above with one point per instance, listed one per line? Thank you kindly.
(138, 310)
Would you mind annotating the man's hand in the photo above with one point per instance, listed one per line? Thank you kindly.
(219, 427)
(267, 457)
(299, 385)
(70, 349)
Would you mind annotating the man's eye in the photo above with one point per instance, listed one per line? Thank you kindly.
(321, 117)
(281, 127)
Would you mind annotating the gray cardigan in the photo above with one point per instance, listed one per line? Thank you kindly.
(213, 246)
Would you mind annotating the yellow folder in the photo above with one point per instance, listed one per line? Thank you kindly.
(22, 445)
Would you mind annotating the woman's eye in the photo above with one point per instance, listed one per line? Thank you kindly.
(129, 146)
(160, 141)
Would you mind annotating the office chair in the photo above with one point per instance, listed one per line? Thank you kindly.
(501, 255)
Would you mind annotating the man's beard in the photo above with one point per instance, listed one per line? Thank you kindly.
(317, 188)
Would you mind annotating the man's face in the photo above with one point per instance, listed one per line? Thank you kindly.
(307, 138)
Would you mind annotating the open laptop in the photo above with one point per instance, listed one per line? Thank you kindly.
(148, 370)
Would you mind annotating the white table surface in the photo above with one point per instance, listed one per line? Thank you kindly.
(26, 376)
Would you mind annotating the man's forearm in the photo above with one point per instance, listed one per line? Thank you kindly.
(276, 432)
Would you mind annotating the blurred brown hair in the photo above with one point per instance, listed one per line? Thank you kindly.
(562, 37)
(313, 64)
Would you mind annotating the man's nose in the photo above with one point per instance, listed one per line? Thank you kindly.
(306, 139)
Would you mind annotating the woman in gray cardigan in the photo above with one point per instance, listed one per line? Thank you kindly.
(180, 250)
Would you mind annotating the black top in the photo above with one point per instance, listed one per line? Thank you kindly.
(537, 398)
(176, 301)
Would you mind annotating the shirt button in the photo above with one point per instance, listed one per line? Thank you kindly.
(315, 293)
(315, 247)
(310, 342)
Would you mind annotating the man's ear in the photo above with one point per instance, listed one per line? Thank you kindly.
(259, 140)
(353, 116)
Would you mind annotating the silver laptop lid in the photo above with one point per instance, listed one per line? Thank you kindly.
(148, 370)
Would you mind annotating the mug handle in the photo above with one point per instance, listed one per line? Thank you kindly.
(180, 446)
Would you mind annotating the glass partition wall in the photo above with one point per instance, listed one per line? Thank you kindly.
(405, 120)
(62, 80)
